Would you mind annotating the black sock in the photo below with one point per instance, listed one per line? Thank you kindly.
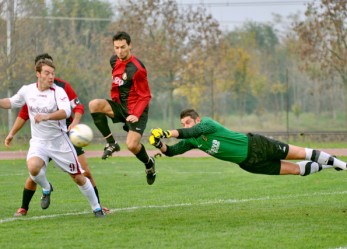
(100, 121)
(143, 157)
(27, 195)
(97, 193)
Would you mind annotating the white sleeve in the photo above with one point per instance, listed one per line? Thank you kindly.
(63, 102)
(18, 99)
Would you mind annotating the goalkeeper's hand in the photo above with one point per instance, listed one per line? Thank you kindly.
(159, 133)
(155, 142)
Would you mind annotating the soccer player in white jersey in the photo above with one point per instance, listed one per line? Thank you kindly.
(48, 107)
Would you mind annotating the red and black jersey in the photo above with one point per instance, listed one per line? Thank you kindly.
(130, 86)
(76, 105)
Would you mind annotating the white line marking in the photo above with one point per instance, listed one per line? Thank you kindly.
(220, 201)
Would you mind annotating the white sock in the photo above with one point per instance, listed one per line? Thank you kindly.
(324, 158)
(308, 167)
(41, 180)
(88, 191)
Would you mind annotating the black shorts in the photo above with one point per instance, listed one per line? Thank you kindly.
(264, 155)
(120, 117)
(79, 151)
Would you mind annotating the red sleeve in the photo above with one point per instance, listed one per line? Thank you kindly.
(76, 105)
(24, 113)
(142, 89)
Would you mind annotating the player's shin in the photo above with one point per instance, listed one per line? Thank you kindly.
(308, 167)
(88, 191)
(41, 180)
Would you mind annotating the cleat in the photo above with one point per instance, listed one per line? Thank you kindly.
(150, 173)
(99, 213)
(20, 212)
(106, 210)
(109, 149)
(46, 198)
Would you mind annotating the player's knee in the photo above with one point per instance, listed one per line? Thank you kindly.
(133, 146)
(79, 179)
(95, 105)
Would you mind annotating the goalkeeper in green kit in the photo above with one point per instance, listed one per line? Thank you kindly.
(252, 152)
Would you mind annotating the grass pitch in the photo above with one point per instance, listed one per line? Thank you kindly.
(194, 203)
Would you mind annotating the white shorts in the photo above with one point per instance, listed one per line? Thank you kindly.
(60, 150)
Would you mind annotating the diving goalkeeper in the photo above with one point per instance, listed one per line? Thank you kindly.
(252, 152)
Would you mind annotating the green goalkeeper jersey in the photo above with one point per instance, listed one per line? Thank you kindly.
(213, 138)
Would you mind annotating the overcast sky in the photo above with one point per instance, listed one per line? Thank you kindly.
(232, 13)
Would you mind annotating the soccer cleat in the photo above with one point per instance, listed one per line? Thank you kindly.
(106, 210)
(21, 212)
(150, 173)
(99, 213)
(46, 198)
(109, 149)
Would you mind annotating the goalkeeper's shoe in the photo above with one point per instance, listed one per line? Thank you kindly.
(99, 213)
(46, 198)
(150, 173)
(21, 212)
(109, 149)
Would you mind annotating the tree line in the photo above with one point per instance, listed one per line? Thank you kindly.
(191, 62)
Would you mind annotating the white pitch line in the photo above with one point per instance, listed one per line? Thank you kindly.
(220, 201)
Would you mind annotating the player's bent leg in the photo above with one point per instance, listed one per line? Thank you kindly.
(100, 109)
(133, 142)
(37, 171)
(35, 164)
(134, 145)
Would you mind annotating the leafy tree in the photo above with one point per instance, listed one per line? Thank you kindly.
(163, 38)
(323, 37)
(322, 46)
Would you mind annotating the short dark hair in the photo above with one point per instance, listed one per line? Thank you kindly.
(43, 57)
(121, 35)
(40, 63)
(189, 113)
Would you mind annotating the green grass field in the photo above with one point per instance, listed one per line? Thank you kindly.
(194, 203)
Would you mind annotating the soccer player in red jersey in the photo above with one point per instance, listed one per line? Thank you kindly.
(129, 103)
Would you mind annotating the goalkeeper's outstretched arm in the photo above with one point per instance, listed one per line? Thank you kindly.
(172, 150)
(194, 131)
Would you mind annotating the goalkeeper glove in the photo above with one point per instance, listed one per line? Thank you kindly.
(155, 142)
(159, 133)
